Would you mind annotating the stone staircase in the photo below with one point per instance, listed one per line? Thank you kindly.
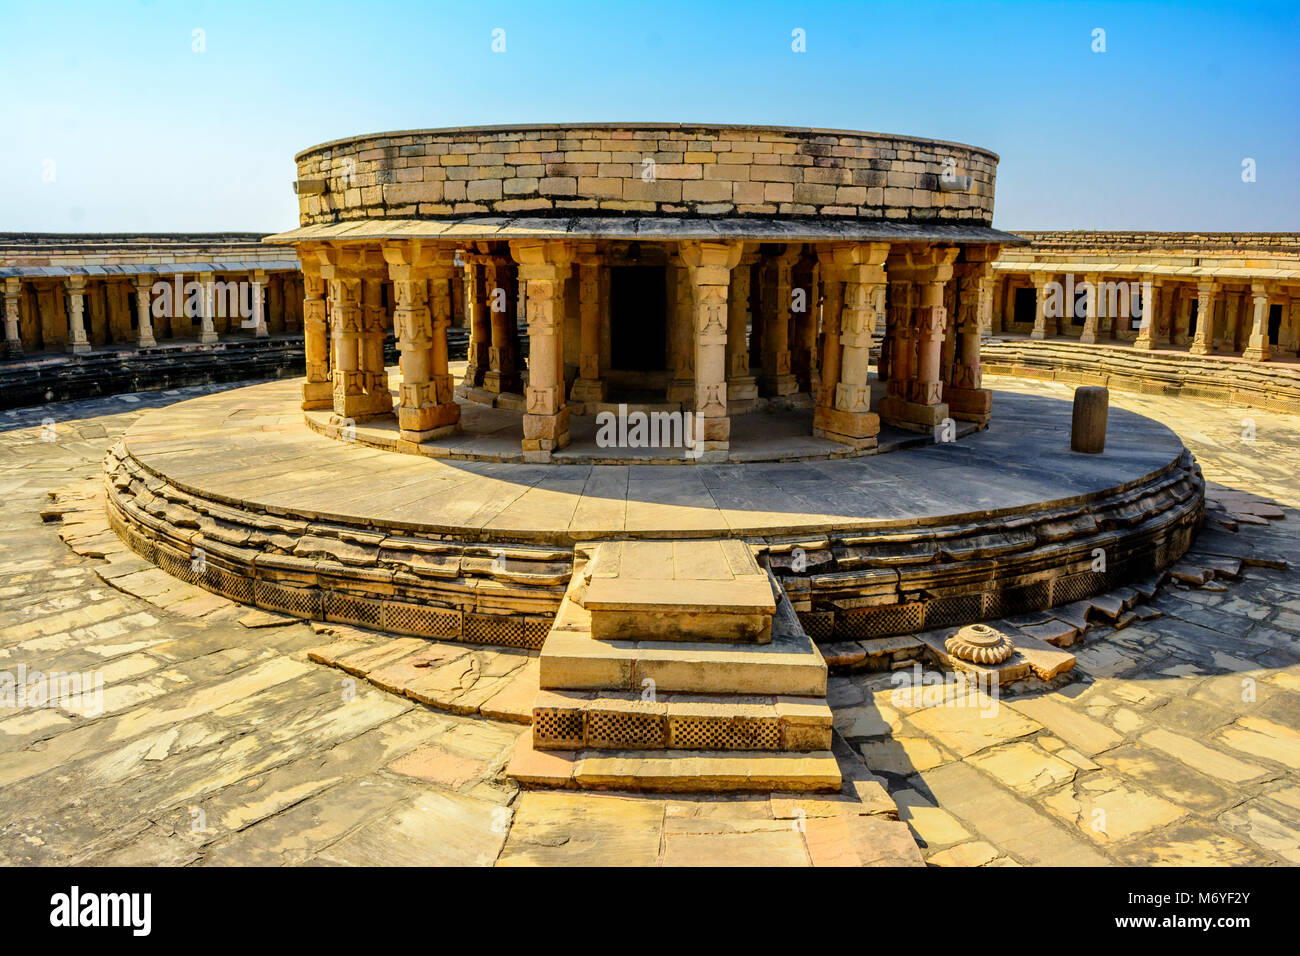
(678, 666)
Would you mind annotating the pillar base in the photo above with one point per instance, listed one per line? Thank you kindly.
(858, 430)
(911, 416)
(442, 431)
(742, 395)
(969, 404)
(1201, 348)
(1088, 338)
(79, 348)
(497, 382)
(427, 419)
(681, 391)
(544, 434)
(359, 408)
(473, 376)
(207, 338)
(149, 343)
(774, 386)
(1145, 344)
(1255, 353)
(13, 349)
(317, 395)
(588, 390)
(1038, 334)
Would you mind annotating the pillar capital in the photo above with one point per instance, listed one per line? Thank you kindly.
(413, 260)
(542, 258)
(351, 261)
(721, 254)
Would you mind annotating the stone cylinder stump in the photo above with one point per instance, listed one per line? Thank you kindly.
(1088, 424)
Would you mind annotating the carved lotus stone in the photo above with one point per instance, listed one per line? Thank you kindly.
(980, 644)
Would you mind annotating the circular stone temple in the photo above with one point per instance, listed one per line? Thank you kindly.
(709, 271)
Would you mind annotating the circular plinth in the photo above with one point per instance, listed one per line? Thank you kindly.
(234, 492)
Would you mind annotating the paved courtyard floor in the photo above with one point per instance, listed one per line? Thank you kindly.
(220, 742)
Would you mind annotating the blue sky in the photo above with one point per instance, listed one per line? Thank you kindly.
(142, 133)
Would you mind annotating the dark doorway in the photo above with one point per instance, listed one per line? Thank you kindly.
(1274, 324)
(1193, 318)
(1025, 306)
(638, 334)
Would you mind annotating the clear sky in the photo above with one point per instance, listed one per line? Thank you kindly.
(111, 121)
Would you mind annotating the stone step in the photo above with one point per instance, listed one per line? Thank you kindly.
(677, 591)
(601, 721)
(789, 666)
(675, 771)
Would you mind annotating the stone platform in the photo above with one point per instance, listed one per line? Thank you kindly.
(234, 492)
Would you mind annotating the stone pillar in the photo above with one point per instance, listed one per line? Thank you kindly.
(1232, 321)
(742, 390)
(1203, 344)
(317, 391)
(358, 393)
(501, 292)
(421, 275)
(13, 338)
(543, 266)
(681, 335)
(1093, 305)
(965, 397)
(144, 312)
(588, 386)
(207, 307)
(1179, 333)
(1043, 324)
(479, 320)
(774, 313)
(258, 283)
(914, 398)
(77, 341)
(804, 309)
(1258, 347)
(710, 265)
(852, 274)
(374, 325)
(1150, 315)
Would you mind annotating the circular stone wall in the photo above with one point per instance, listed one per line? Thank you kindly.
(665, 169)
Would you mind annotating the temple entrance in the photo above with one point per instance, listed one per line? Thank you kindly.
(638, 334)
(1274, 324)
(1024, 305)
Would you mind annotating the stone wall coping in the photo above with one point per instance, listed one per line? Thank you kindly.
(149, 268)
(675, 127)
(1157, 241)
(647, 229)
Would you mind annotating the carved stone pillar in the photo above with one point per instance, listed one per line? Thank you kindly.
(501, 290)
(543, 266)
(1258, 348)
(965, 397)
(359, 394)
(742, 389)
(258, 283)
(710, 265)
(77, 341)
(1203, 344)
(144, 312)
(852, 275)
(1044, 325)
(804, 309)
(207, 308)
(1093, 304)
(588, 386)
(681, 335)
(1232, 322)
(421, 274)
(914, 398)
(1147, 329)
(1180, 333)
(774, 313)
(317, 391)
(13, 338)
(479, 320)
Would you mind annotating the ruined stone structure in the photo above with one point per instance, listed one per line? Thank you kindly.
(676, 613)
(77, 292)
(1051, 322)
(1214, 293)
(693, 268)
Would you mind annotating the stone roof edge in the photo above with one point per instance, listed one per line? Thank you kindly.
(526, 127)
